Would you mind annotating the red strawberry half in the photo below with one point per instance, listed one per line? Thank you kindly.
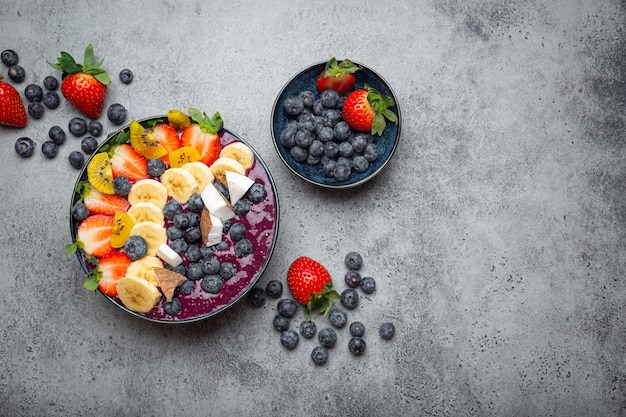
(84, 85)
(12, 111)
(203, 135)
(94, 236)
(110, 269)
(311, 285)
(127, 162)
(366, 110)
(100, 203)
(338, 76)
(167, 136)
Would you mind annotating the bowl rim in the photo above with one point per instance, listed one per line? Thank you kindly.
(348, 185)
(232, 302)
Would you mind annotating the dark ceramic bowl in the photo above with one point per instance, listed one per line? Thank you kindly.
(314, 174)
(262, 229)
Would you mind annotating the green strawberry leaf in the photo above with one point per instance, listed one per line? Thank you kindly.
(378, 124)
(71, 248)
(88, 59)
(91, 283)
(207, 124)
(391, 116)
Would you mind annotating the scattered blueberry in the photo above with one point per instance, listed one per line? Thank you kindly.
(49, 149)
(51, 83)
(256, 297)
(352, 278)
(227, 270)
(338, 317)
(308, 329)
(9, 57)
(24, 147)
(308, 98)
(172, 308)
(293, 105)
(89, 145)
(212, 283)
(126, 76)
(319, 355)
(121, 185)
(80, 212)
(211, 266)
(280, 323)
(242, 207)
(16, 73)
(171, 209)
(327, 337)
(353, 261)
(195, 203)
(368, 285)
(179, 245)
(36, 110)
(187, 287)
(95, 128)
(237, 231)
(287, 307)
(387, 330)
(181, 221)
(207, 252)
(174, 233)
(193, 253)
(289, 339)
(194, 271)
(350, 298)
(356, 346)
(243, 248)
(77, 126)
(136, 247)
(193, 235)
(357, 329)
(57, 134)
(116, 113)
(77, 160)
(274, 288)
(257, 193)
(33, 92)
(179, 269)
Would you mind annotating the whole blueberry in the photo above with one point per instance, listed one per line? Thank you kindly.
(360, 163)
(319, 355)
(51, 83)
(256, 297)
(331, 117)
(307, 97)
(371, 152)
(174, 233)
(287, 307)
(227, 270)
(308, 329)
(353, 261)
(193, 253)
(287, 137)
(359, 143)
(304, 138)
(116, 113)
(212, 284)
(350, 298)
(274, 288)
(298, 153)
(171, 209)
(280, 323)
(89, 145)
(368, 285)
(242, 207)
(126, 76)
(352, 278)
(194, 271)
(342, 132)
(121, 185)
(289, 338)
(306, 121)
(51, 100)
(95, 128)
(211, 266)
(338, 317)
(80, 212)
(387, 330)
(330, 98)
(24, 147)
(237, 231)
(9, 57)
(77, 160)
(195, 203)
(181, 221)
(318, 107)
(327, 337)
(57, 134)
(257, 193)
(33, 92)
(187, 287)
(207, 252)
(345, 149)
(136, 247)
(77, 126)
(179, 269)
(49, 149)
(316, 148)
(172, 308)
(179, 246)
(357, 329)
(16, 73)
(331, 150)
(193, 235)
(356, 346)
(243, 248)
(36, 110)
(326, 134)
(342, 172)
(329, 168)
(293, 105)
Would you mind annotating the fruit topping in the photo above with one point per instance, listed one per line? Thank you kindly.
(154, 235)
(100, 173)
(126, 76)
(93, 236)
(137, 294)
(145, 142)
(311, 285)
(203, 135)
(365, 110)
(180, 184)
(100, 203)
(109, 270)
(148, 190)
(125, 161)
(178, 120)
(338, 76)
(122, 225)
(239, 152)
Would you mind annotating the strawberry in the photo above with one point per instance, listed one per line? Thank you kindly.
(93, 236)
(126, 161)
(84, 85)
(311, 285)
(166, 136)
(111, 267)
(12, 112)
(100, 203)
(338, 76)
(203, 135)
(366, 110)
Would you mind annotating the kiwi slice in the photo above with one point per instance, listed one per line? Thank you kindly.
(182, 155)
(100, 173)
(144, 142)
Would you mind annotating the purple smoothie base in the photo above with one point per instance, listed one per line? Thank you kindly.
(261, 227)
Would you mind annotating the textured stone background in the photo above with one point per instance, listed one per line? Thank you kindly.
(496, 234)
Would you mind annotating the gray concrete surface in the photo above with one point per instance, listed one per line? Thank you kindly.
(496, 234)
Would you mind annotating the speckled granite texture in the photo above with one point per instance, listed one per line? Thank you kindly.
(496, 234)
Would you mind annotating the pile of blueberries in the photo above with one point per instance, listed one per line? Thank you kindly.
(317, 134)
(38, 100)
(337, 317)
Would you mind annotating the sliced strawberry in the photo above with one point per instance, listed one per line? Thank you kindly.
(94, 235)
(166, 136)
(127, 162)
(100, 203)
(203, 135)
(111, 268)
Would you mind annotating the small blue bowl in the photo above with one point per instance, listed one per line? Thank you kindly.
(386, 144)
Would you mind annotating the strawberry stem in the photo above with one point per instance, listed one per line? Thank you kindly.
(380, 105)
(323, 302)
(339, 69)
(68, 65)
(207, 124)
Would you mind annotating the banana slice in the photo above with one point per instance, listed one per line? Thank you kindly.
(138, 294)
(148, 190)
(238, 185)
(154, 234)
(144, 269)
(240, 152)
(146, 211)
(201, 173)
(223, 164)
(180, 184)
(216, 203)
